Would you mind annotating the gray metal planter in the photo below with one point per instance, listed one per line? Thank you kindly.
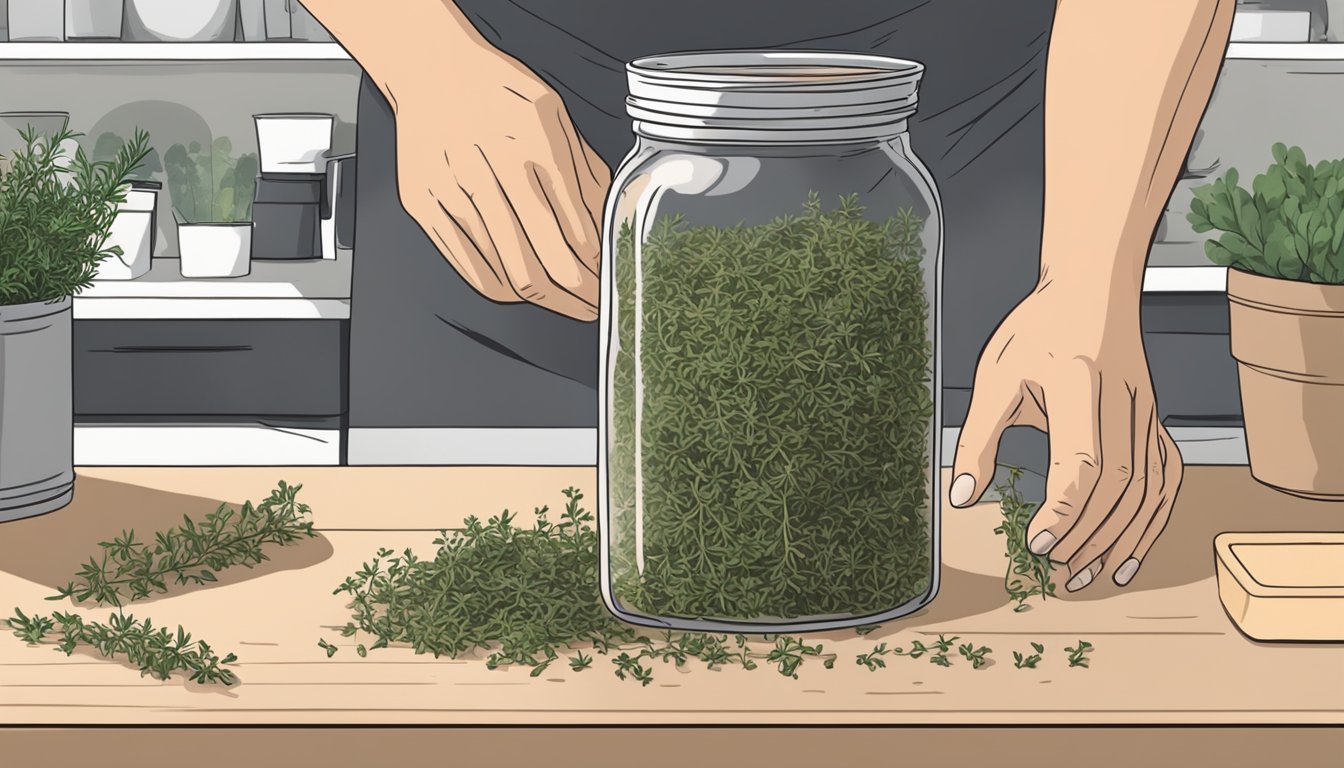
(36, 410)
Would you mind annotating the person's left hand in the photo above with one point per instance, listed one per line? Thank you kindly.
(1076, 369)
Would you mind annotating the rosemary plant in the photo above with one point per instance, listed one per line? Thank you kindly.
(785, 417)
(55, 215)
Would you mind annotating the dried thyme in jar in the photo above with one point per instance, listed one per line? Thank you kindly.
(782, 466)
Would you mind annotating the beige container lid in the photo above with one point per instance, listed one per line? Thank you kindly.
(1283, 586)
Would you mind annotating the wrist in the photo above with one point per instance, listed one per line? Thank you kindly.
(394, 48)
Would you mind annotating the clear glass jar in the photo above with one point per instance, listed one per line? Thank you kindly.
(770, 293)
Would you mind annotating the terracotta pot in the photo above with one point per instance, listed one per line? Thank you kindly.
(1288, 340)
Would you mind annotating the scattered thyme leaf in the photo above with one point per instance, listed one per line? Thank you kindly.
(873, 659)
(1078, 654)
(328, 647)
(580, 662)
(978, 657)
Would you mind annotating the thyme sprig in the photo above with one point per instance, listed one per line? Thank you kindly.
(157, 652)
(130, 569)
(1028, 574)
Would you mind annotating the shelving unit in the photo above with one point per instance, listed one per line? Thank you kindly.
(134, 52)
(1286, 51)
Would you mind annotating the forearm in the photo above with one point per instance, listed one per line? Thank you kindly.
(389, 38)
(1126, 86)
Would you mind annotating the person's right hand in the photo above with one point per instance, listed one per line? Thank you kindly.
(491, 167)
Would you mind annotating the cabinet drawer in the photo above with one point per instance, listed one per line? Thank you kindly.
(1190, 358)
(210, 367)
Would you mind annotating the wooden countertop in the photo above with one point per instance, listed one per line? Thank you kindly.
(1165, 653)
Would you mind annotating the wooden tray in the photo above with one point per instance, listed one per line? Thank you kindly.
(1283, 587)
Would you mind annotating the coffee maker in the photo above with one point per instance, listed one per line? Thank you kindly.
(298, 210)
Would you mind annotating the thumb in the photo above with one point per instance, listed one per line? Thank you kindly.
(993, 409)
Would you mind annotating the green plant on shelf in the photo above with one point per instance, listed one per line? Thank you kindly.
(210, 185)
(109, 144)
(1289, 225)
(56, 212)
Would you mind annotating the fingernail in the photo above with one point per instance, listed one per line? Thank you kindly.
(962, 488)
(1043, 543)
(1125, 573)
(1080, 581)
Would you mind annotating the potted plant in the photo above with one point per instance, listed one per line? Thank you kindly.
(212, 194)
(55, 217)
(1283, 242)
(135, 227)
(181, 21)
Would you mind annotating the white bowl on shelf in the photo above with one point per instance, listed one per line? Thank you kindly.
(181, 21)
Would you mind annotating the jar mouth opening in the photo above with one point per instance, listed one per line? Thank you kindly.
(773, 68)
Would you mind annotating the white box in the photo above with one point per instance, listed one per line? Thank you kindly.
(1271, 27)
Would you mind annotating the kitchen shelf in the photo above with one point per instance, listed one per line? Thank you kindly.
(145, 52)
(318, 289)
(1286, 51)
(1202, 279)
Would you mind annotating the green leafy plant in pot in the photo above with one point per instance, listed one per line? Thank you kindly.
(1283, 241)
(212, 194)
(56, 212)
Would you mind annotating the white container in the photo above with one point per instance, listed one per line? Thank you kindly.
(294, 143)
(133, 231)
(180, 21)
(1271, 26)
(280, 20)
(215, 250)
(304, 26)
(36, 20)
(252, 19)
(93, 19)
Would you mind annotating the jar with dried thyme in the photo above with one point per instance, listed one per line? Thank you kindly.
(770, 321)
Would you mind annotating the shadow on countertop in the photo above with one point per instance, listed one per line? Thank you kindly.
(50, 549)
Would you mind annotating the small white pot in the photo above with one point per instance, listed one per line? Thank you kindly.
(294, 143)
(93, 19)
(133, 231)
(181, 20)
(36, 20)
(215, 250)
(1253, 26)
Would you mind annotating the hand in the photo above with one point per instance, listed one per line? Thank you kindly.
(1064, 366)
(491, 167)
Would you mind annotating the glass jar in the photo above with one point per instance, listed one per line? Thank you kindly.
(770, 286)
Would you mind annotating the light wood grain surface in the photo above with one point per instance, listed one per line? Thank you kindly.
(1165, 651)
